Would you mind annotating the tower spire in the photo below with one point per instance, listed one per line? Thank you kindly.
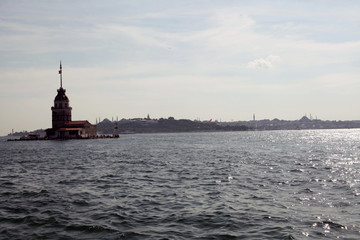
(60, 72)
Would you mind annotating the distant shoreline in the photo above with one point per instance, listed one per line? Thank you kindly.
(171, 125)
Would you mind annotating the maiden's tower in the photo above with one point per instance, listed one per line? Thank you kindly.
(62, 125)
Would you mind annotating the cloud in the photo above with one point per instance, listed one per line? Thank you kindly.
(141, 35)
(263, 63)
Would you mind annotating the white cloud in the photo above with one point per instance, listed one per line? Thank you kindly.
(143, 36)
(263, 63)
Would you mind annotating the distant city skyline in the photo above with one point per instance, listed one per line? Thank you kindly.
(219, 60)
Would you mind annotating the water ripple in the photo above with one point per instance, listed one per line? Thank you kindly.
(247, 185)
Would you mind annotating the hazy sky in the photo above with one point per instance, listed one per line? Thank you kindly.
(223, 60)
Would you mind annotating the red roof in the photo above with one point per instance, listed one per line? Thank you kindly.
(71, 129)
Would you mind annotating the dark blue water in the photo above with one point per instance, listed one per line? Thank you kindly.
(241, 185)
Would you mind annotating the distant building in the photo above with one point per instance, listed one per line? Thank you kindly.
(62, 125)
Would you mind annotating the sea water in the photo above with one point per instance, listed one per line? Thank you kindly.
(234, 185)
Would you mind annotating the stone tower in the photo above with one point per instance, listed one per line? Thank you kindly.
(61, 111)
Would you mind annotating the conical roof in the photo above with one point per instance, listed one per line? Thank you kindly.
(61, 96)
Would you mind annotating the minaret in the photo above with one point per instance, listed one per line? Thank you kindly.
(61, 111)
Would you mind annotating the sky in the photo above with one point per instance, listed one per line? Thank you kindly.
(189, 59)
